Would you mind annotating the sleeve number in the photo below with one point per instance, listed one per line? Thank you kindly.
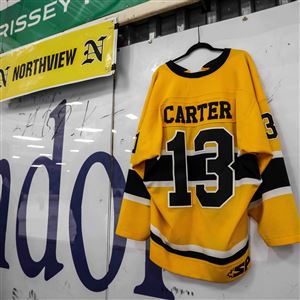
(219, 166)
(270, 126)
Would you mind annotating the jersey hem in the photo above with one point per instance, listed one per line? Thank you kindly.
(130, 235)
(199, 269)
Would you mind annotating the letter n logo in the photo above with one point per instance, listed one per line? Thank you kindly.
(3, 76)
(95, 52)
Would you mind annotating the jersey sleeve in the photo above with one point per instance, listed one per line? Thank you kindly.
(273, 205)
(134, 218)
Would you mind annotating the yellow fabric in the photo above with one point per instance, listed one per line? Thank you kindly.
(278, 221)
(197, 240)
(140, 222)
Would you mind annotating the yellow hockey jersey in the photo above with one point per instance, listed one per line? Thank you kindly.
(207, 156)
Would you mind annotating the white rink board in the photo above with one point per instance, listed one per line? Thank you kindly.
(88, 105)
(271, 37)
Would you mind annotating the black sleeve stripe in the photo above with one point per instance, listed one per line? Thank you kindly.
(274, 177)
(135, 185)
(161, 169)
(246, 166)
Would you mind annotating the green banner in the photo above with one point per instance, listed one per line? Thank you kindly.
(31, 20)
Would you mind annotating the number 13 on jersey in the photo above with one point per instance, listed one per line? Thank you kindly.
(220, 166)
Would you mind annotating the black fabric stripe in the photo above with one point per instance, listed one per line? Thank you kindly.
(192, 254)
(161, 169)
(135, 185)
(246, 166)
(275, 176)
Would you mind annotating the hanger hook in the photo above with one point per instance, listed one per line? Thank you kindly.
(198, 34)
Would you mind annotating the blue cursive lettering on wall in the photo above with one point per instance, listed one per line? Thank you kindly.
(4, 200)
(49, 261)
(116, 177)
(152, 285)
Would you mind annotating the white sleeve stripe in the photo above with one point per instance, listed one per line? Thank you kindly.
(136, 199)
(277, 154)
(193, 152)
(170, 183)
(208, 183)
(248, 181)
(271, 194)
(277, 192)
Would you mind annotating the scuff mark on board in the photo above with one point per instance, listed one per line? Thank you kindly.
(18, 294)
(182, 292)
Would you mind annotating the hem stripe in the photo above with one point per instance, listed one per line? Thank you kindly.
(201, 256)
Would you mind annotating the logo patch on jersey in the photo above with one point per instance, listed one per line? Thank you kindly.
(240, 269)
